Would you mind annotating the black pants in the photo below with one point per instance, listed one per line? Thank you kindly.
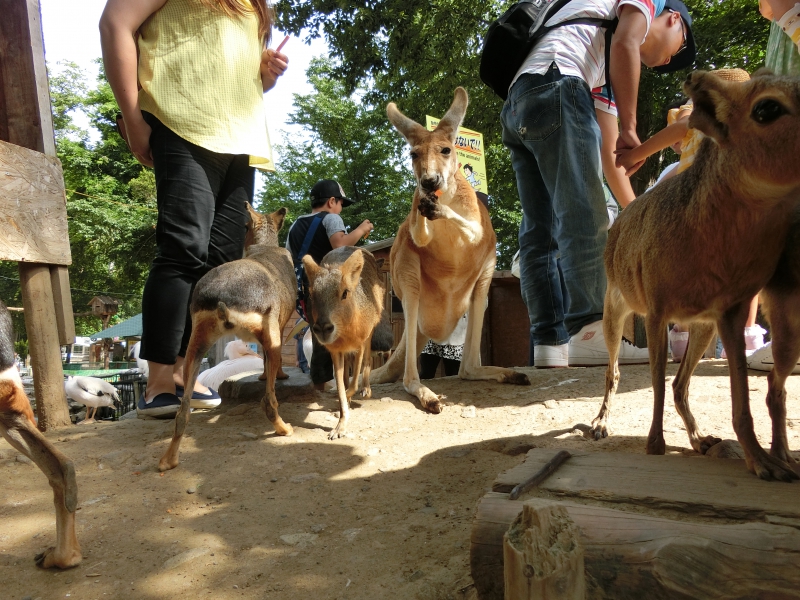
(321, 360)
(428, 363)
(202, 220)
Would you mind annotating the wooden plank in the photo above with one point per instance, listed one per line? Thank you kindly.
(48, 381)
(62, 299)
(636, 555)
(33, 209)
(697, 485)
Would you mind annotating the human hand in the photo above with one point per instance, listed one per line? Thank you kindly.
(627, 141)
(273, 65)
(138, 138)
(765, 9)
(366, 228)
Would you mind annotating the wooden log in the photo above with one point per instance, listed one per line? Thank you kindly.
(633, 555)
(40, 321)
(62, 299)
(543, 555)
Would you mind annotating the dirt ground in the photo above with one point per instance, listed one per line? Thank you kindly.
(383, 513)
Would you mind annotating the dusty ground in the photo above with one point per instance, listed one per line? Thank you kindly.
(385, 513)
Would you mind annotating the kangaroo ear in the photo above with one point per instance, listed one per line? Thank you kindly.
(408, 128)
(711, 105)
(278, 217)
(455, 114)
(312, 268)
(351, 269)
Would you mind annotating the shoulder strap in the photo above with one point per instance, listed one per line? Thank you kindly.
(312, 229)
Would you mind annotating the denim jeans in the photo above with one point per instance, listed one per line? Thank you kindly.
(202, 220)
(550, 127)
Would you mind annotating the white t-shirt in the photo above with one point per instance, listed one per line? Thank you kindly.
(579, 50)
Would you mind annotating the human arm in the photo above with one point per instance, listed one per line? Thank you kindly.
(625, 70)
(273, 65)
(119, 23)
(340, 238)
(630, 160)
(615, 176)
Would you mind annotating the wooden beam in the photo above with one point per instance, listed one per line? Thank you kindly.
(62, 299)
(40, 321)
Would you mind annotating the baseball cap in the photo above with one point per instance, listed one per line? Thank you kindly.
(684, 58)
(328, 188)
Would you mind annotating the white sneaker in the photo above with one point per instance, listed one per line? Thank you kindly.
(587, 348)
(548, 357)
(761, 359)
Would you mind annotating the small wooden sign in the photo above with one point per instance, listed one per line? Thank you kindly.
(33, 207)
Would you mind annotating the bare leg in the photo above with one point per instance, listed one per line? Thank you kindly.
(731, 330)
(615, 309)
(700, 335)
(177, 376)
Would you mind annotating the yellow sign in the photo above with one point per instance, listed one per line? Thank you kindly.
(469, 149)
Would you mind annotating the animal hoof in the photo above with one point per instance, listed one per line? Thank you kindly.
(49, 559)
(656, 446)
(768, 467)
(286, 429)
(707, 442)
(598, 432)
(517, 378)
(366, 393)
(166, 463)
(434, 406)
(336, 434)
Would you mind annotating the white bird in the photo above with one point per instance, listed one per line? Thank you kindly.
(241, 359)
(92, 393)
(141, 364)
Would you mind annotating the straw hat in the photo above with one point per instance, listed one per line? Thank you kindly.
(738, 75)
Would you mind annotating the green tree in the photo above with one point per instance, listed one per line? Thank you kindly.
(348, 140)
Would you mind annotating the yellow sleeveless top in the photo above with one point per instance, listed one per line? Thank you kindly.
(199, 75)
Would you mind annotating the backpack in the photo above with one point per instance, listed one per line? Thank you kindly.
(299, 270)
(510, 39)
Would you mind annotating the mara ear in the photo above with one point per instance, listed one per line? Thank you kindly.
(255, 217)
(379, 263)
(408, 128)
(278, 217)
(711, 106)
(351, 269)
(312, 268)
(455, 114)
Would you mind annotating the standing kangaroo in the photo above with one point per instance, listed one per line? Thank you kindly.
(699, 247)
(442, 259)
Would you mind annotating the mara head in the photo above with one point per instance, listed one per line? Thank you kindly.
(262, 230)
(756, 123)
(433, 153)
(333, 295)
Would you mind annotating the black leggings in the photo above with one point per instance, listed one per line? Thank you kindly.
(428, 363)
(202, 220)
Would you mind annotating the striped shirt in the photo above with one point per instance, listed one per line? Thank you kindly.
(579, 50)
(199, 73)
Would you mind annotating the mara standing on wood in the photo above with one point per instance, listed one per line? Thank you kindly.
(188, 76)
(442, 259)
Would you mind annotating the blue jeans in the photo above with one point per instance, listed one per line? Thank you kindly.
(550, 127)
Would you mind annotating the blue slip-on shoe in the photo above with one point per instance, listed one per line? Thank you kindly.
(200, 400)
(163, 406)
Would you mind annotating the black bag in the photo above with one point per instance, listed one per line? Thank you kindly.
(511, 38)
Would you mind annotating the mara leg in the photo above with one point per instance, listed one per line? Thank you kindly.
(393, 369)
(20, 432)
(471, 361)
(204, 334)
(615, 309)
(339, 365)
(731, 330)
(271, 342)
(656, 328)
(700, 335)
(784, 320)
(366, 390)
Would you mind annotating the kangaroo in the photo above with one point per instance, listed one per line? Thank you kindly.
(347, 303)
(19, 429)
(698, 247)
(442, 259)
(252, 298)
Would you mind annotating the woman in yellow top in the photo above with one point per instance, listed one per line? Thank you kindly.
(189, 76)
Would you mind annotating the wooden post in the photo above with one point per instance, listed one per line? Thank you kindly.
(26, 120)
(543, 555)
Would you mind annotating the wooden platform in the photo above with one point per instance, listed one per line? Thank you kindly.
(673, 526)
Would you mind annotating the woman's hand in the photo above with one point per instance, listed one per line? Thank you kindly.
(138, 132)
(273, 65)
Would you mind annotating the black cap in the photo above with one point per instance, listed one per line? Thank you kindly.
(328, 188)
(684, 58)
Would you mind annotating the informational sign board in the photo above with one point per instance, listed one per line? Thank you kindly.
(469, 149)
